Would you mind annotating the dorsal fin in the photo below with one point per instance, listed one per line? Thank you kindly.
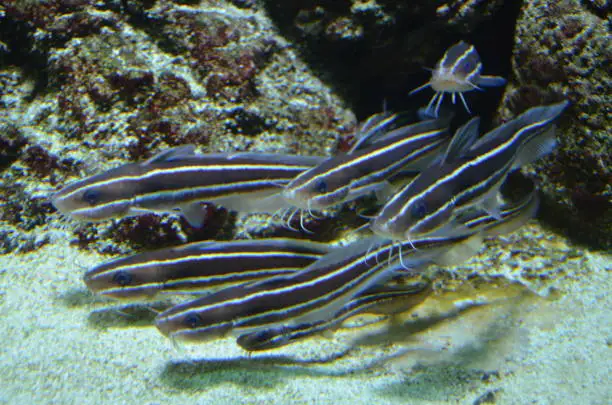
(543, 114)
(464, 138)
(171, 154)
(371, 129)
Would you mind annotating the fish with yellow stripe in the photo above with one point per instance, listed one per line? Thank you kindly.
(383, 300)
(457, 72)
(200, 267)
(323, 289)
(180, 180)
(469, 176)
(390, 299)
(367, 167)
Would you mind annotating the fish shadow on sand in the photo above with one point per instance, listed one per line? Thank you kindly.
(428, 371)
(115, 316)
(126, 316)
(76, 298)
(261, 372)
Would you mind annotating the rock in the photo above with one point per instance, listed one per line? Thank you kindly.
(563, 51)
(88, 86)
(375, 50)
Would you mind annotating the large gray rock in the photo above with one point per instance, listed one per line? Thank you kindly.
(563, 51)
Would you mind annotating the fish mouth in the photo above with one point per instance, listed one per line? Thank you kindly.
(291, 196)
(164, 327)
(57, 202)
(381, 229)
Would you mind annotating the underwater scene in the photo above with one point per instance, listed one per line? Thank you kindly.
(305, 202)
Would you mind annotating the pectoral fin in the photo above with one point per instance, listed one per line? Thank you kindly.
(491, 81)
(195, 214)
(491, 205)
(538, 147)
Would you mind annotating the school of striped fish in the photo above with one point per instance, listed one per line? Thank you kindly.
(268, 293)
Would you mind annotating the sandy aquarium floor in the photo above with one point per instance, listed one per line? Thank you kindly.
(63, 346)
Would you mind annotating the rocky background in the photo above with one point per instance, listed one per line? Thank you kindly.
(88, 85)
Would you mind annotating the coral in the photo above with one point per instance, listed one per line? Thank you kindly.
(562, 51)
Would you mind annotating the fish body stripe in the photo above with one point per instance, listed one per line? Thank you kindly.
(281, 336)
(506, 151)
(366, 167)
(394, 164)
(196, 171)
(305, 292)
(380, 152)
(187, 194)
(200, 266)
(201, 284)
(204, 257)
(452, 61)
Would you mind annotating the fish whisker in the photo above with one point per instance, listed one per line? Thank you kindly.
(302, 225)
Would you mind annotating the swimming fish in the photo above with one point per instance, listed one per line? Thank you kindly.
(178, 179)
(322, 289)
(311, 295)
(456, 73)
(385, 300)
(201, 267)
(469, 176)
(347, 176)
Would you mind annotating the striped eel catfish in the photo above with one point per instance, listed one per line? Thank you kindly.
(178, 179)
(457, 72)
(394, 299)
(383, 300)
(200, 267)
(467, 177)
(348, 176)
(325, 287)
(313, 294)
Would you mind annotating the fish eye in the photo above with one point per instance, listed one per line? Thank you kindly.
(321, 187)
(192, 320)
(419, 209)
(91, 197)
(122, 278)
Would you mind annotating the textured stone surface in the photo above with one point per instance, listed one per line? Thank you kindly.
(563, 51)
(376, 50)
(87, 86)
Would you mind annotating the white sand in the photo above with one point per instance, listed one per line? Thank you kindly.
(63, 347)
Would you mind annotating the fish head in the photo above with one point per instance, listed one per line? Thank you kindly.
(99, 197)
(264, 339)
(421, 208)
(210, 317)
(179, 323)
(458, 70)
(119, 280)
(319, 188)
